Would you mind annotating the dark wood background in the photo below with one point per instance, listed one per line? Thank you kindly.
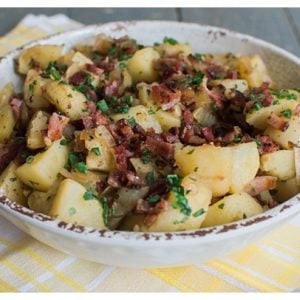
(280, 26)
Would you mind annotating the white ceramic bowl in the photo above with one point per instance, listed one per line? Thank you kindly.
(130, 249)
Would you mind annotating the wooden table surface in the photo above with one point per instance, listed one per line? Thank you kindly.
(280, 26)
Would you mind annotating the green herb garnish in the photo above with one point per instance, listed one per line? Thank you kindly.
(29, 159)
(198, 213)
(153, 199)
(96, 151)
(287, 113)
(102, 105)
(221, 206)
(169, 40)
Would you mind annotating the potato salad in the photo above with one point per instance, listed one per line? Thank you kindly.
(154, 138)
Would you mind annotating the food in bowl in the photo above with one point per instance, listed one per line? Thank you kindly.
(124, 136)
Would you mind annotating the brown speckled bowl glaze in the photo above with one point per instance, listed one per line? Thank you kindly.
(132, 249)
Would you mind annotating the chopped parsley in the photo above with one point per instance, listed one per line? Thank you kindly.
(257, 106)
(221, 206)
(151, 112)
(102, 105)
(72, 211)
(75, 163)
(31, 86)
(132, 121)
(258, 143)
(122, 66)
(64, 142)
(125, 57)
(237, 139)
(96, 151)
(112, 51)
(88, 195)
(150, 178)
(287, 113)
(191, 151)
(13, 179)
(146, 156)
(198, 78)
(169, 40)
(284, 94)
(105, 214)
(198, 213)
(81, 167)
(29, 159)
(199, 56)
(52, 71)
(153, 199)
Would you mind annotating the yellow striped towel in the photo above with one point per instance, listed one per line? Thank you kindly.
(271, 265)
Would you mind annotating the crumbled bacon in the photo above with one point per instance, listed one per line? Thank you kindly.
(153, 213)
(56, 126)
(169, 137)
(260, 184)
(111, 89)
(207, 134)
(95, 119)
(160, 148)
(116, 179)
(134, 181)
(16, 106)
(91, 95)
(122, 154)
(267, 144)
(94, 69)
(142, 207)
(167, 97)
(296, 111)
(91, 106)
(78, 78)
(188, 118)
(277, 122)
(107, 64)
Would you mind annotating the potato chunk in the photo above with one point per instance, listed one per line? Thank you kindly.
(253, 69)
(40, 173)
(141, 65)
(245, 166)
(33, 88)
(212, 164)
(287, 189)
(232, 208)
(7, 122)
(40, 55)
(288, 137)
(70, 206)
(280, 163)
(69, 101)
(11, 186)
(173, 50)
(38, 122)
(6, 93)
(198, 197)
(142, 116)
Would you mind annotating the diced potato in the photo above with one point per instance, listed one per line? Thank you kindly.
(100, 155)
(141, 65)
(198, 197)
(145, 94)
(142, 169)
(212, 164)
(231, 84)
(6, 93)
(7, 122)
(258, 118)
(287, 189)
(33, 89)
(66, 59)
(280, 163)
(173, 50)
(253, 69)
(167, 119)
(290, 135)
(11, 186)
(232, 208)
(41, 202)
(81, 59)
(245, 166)
(40, 55)
(42, 171)
(123, 76)
(35, 137)
(70, 206)
(67, 100)
(142, 116)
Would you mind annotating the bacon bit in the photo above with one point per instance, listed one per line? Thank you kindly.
(116, 179)
(232, 135)
(94, 69)
(262, 88)
(267, 144)
(16, 106)
(78, 78)
(142, 207)
(160, 148)
(107, 65)
(188, 96)
(124, 128)
(188, 118)
(88, 122)
(169, 137)
(268, 100)
(150, 219)
(208, 134)
(134, 181)
(56, 126)
(260, 184)
(167, 97)
(7, 153)
(91, 106)
(213, 70)
(153, 213)
(248, 106)
(122, 154)
(168, 66)
(159, 187)
(232, 75)
(277, 122)
(296, 111)
(111, 89)
(91, 94)
(94, 119)
(217, 96)
(100, 186)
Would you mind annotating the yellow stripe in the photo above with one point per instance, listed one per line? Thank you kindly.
(171, 278)
(25, 276)
(243, 276)
(6, 287)
(40, 260)
(290, 252)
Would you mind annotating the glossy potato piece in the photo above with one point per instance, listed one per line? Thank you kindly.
(287, 189)
(35, 137)
(33, 89)
(173, 50)
(141, 65)
(41, 173)
(41, 202)
(141, 115)
(212, 164)
(70, 206)
(245, 166)
(232, 208)
(167, 119)
(254, 70)
(199, 197)
(6, 93)
(231, 84)
(40, 55)
(285, 138)
(7, 122)
(68, 101)
(258, 118)
(11, 186)
(280, 164)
